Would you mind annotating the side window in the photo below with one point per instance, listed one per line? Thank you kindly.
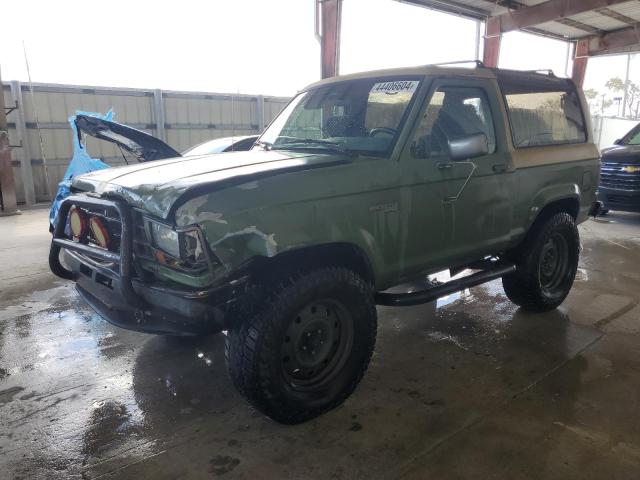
(452, 112)
(543, 114)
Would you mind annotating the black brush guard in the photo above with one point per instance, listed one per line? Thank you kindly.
(122, 260)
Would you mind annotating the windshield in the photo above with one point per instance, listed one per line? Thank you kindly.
(633, 137)
(355, 116)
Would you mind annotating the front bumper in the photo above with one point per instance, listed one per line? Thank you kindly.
(619, 199)
(119, 297)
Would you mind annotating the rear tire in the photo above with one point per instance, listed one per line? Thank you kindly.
(546, 264)
(307, 347)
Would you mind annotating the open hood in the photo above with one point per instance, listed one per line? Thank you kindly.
(141, 145)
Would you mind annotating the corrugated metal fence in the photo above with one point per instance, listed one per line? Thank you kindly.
(182, 119)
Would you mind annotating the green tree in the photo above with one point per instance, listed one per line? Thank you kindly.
(616, 85)
(598, 102)
(591, 94)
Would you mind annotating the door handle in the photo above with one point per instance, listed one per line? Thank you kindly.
(500, 167)
(444, 165)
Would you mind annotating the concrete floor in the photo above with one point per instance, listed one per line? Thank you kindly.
(468, 388)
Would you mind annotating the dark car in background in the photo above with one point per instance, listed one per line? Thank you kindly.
(620, 174)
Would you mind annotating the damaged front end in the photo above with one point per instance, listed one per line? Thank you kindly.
(169, 247)
(141, 274)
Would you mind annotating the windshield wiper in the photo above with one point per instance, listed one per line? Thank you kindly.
(304, 142)
(312, 140)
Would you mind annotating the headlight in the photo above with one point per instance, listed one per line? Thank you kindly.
(184, 246)
(166, 239)
(192, 250)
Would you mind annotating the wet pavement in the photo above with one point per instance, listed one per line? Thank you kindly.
(466, 387)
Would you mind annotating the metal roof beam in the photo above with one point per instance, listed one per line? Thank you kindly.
(548, 11)
(447, 6)
(607, 12)
(569, 22)
(613, 42)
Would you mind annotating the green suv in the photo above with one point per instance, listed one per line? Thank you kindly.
(362, 183)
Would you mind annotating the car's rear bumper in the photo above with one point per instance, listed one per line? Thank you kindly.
(618, 199)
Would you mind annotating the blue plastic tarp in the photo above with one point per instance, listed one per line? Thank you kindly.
(81, 162)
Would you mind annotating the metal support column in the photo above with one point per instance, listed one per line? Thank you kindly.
(567, 57)
(580, 60)
(7, 182)
(625, 95)
(492, 38)
(260, 112)
(158, 113)
(26, 171)
(478, 39)
(330, 20)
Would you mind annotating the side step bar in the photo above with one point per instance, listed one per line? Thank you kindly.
(497, 270)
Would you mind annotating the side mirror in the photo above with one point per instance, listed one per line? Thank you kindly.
(618, 141)
(469, 146)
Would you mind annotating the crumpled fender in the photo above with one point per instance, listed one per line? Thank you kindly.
(241, 236)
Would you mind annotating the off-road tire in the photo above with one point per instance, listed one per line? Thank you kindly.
(526, 286)
(253, 347)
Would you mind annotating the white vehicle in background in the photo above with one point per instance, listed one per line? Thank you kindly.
(221, 145)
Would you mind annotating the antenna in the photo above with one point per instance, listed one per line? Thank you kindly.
(233, 120)
(45, 170)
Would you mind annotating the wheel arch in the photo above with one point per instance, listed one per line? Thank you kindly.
(561, 198)
(335, 254)
(570, 205)
(541, 211)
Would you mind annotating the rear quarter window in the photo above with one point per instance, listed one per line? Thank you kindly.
(542, 115)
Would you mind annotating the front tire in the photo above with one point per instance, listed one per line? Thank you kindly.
(546, 265)
(307, 348)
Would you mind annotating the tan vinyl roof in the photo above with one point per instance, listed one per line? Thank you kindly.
(409, 71)
(443, 69)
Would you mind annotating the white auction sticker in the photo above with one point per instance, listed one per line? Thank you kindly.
(397, 86)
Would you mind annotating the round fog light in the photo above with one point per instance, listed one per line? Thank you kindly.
(78, 223)
(100, 233)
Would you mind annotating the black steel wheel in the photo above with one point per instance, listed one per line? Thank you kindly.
(307, 347)
(546, 263)
(553, 264)
(316, 344)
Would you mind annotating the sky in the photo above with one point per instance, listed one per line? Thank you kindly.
(245, 46)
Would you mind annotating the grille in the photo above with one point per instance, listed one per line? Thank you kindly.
(613, 176)
(624, 201)
(141, 240)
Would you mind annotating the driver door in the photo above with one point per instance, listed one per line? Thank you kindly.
(472, 196)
